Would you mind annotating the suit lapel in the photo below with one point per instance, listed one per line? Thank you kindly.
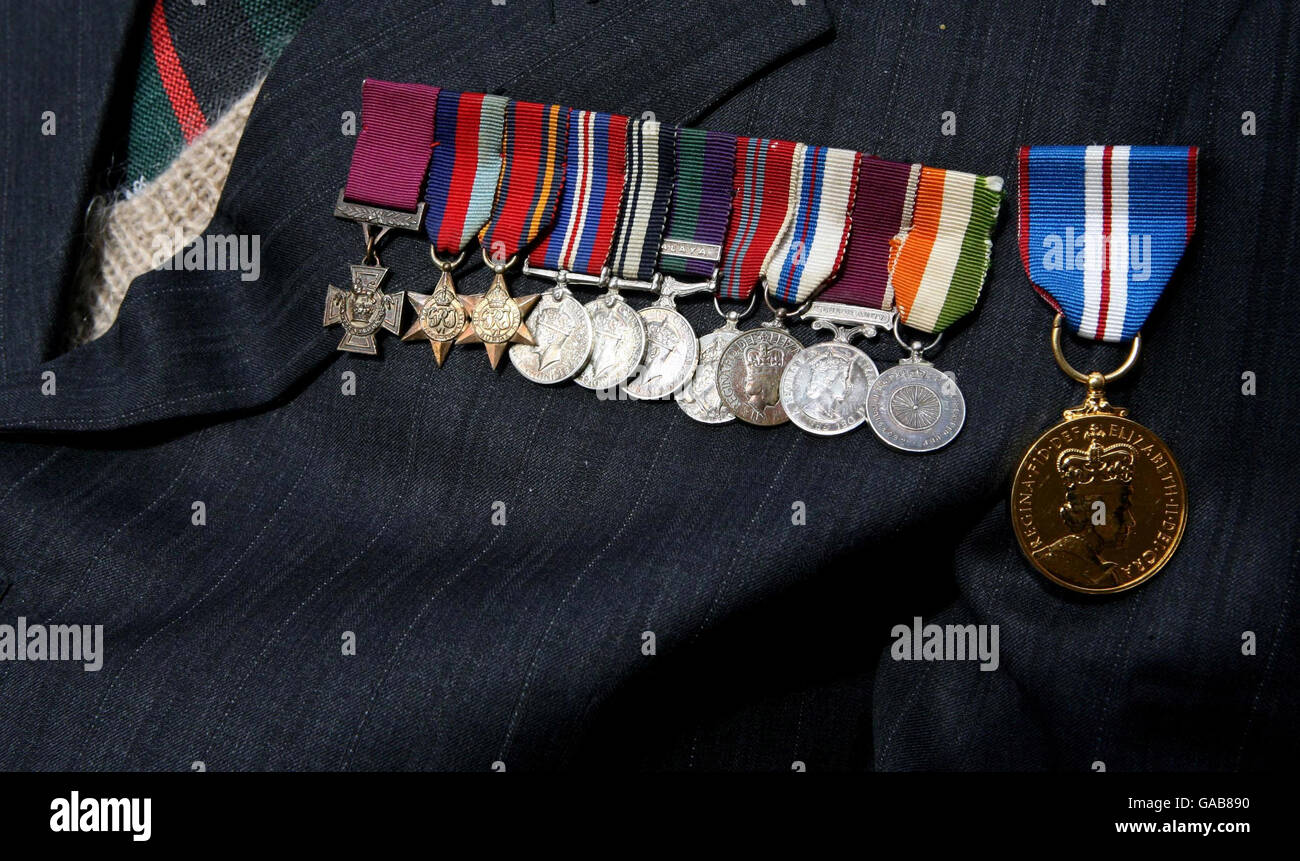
(206, 342)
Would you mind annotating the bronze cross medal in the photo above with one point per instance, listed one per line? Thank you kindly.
(497, 318)
(365, 309)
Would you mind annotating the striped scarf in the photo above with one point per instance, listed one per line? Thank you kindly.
(197, 61)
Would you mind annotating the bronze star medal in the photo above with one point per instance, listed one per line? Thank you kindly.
(363, 310)
(497, 319)
(440, 317)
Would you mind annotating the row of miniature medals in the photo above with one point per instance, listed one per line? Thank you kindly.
(763, 376)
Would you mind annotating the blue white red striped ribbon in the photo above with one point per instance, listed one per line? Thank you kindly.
(1102, 228)
(809, 254)
(593, 187)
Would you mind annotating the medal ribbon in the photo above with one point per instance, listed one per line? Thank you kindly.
(701, 205)
(937, 266)
(881, 211)
(648, 188)
(532, 173)
(466, 165)
(593, 185)
(394, 145)
(762, 193)
(1102, 228)
(825, 180)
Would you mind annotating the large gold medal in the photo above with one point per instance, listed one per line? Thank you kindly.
(1098, 503)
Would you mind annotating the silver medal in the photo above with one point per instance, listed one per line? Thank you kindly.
(564, 336)
(824, 388)
(699, 398)
(671, 353)
(749, 373)
(914, 406)
(618, 345)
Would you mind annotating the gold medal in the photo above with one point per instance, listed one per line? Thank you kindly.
(497, 318)
(1098, 503)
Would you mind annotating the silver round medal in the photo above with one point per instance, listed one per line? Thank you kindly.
(699, 398)
(670, 356)
(564, 337)
(915, 407)
(618, 345)
(749, 374)
(824, 388)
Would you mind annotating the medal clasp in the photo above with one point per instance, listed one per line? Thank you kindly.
(1095, 402)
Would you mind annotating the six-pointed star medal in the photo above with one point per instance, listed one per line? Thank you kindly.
(440, 317)
(497, 320)
(363, 310)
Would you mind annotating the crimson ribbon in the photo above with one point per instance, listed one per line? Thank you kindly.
(879, 214)
(762, 188)
(394, 146)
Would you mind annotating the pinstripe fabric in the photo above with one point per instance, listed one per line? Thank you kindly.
(521, 643)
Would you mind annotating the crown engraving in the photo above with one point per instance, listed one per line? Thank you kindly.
(1097, 463)
(765, 356)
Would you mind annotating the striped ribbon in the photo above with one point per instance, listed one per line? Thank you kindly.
(937, 267)
(394, 145)
(701, 205)
(763, 207)
(1102, 228)
(532, 174)
(465, 168)
(648, 189)
(593, 185)
(882, 210)
(825, 180)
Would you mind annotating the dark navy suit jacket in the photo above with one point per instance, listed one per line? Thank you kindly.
(525, 642)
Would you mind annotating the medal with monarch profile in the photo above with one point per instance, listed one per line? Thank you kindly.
(1098, 503)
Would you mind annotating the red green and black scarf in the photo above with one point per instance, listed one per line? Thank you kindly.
(197, 59)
